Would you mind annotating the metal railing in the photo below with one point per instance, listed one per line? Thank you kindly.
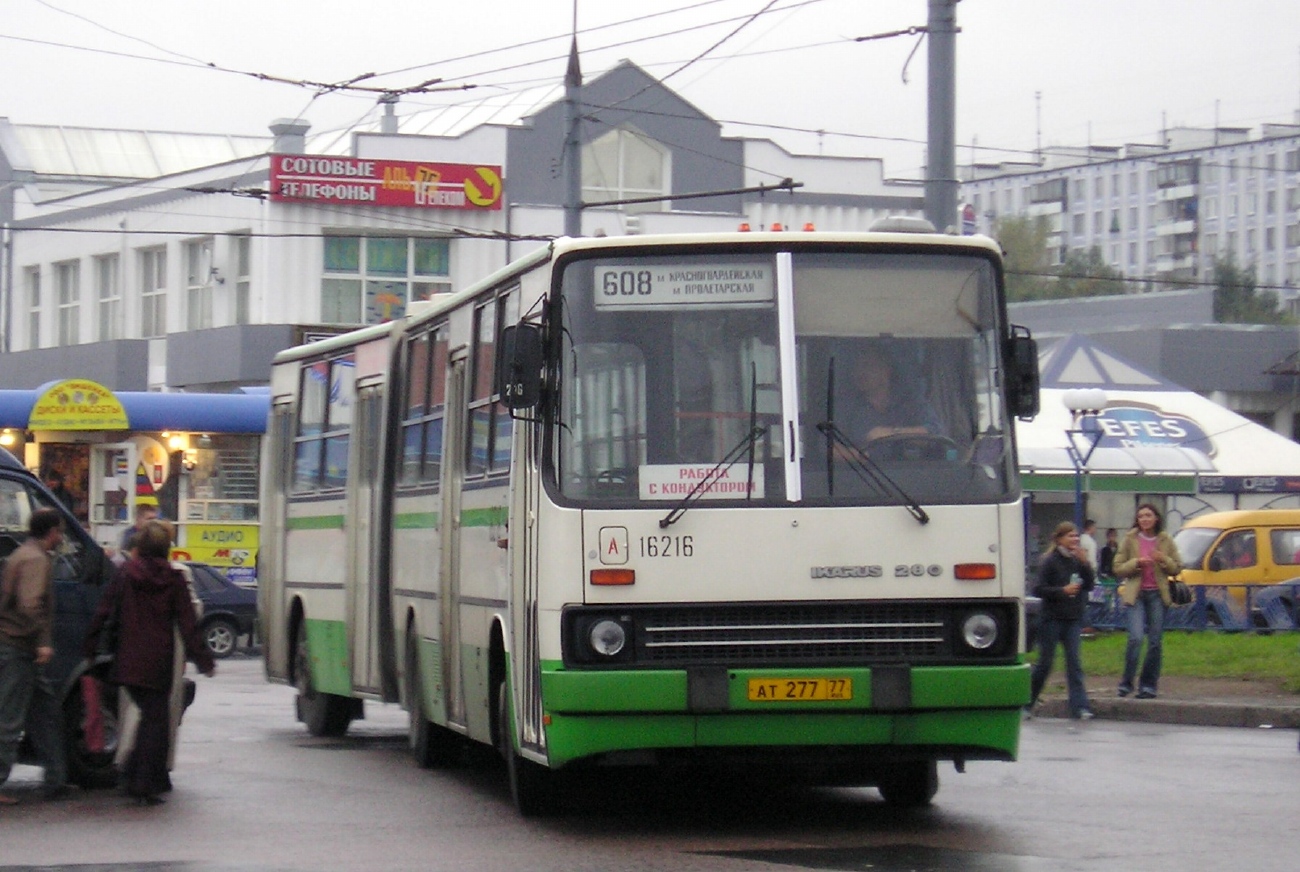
(1238, 607)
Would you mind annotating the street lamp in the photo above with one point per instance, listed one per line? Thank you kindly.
(1082, 437)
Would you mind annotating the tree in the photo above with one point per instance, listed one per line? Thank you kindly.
(1086, 274)
(1238, 301)
(1024, 240)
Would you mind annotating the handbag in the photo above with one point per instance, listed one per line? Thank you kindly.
(1180, 593)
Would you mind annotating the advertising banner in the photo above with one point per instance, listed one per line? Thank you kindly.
(299, 178)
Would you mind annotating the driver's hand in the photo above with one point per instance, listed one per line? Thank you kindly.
(44, 654)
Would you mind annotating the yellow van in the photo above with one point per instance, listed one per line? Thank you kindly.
(1241, 547)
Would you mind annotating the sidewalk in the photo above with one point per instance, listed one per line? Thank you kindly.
(1183, 702)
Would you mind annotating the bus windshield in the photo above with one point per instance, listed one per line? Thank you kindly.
(823, 377)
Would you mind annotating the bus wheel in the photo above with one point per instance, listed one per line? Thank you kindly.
(431, 744)
(530, 784)
(910, 784)
(325, 714)
(90, 761)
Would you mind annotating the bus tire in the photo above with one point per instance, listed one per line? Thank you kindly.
(530, 784)
(909, 784)
(431, 744)
(86, 768)
(325, 714)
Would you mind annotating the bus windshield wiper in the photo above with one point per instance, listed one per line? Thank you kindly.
(745, 445)
(870, 471)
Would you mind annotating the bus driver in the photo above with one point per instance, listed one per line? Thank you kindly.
(875, 406)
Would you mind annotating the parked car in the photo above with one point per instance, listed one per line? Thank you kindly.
(229, 611)
(81, 573)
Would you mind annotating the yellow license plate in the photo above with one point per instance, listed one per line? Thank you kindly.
(799, 689)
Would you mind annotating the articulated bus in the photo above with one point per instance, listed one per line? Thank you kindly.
(636, 501)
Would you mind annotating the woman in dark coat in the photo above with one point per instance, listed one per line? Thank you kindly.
(1064, 578)
(149, 597)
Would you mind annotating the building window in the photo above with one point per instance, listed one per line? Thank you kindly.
(372, 279)
(198, 284)
(1080, 192)
(1077, 224)
(67, 280)
(109, 293)
(1270, 202)
(243, 276)
(33, 281)
(1096, 223)
(153, 292)
(625, 163)
(1270, 239)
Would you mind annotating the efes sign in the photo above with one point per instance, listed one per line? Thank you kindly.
(1137, 426)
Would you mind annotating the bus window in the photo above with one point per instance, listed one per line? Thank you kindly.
(490, 425)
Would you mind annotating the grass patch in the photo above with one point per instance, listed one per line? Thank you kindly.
(1245, 656)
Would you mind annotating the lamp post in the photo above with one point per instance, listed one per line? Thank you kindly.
(1081, 440)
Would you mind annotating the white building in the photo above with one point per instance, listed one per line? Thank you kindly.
(1164, 211)
(173, 261)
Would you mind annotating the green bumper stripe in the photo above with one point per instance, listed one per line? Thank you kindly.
(979, 734)
(953, 707)
(933, 687)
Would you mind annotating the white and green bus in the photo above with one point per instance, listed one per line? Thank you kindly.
(630, 500)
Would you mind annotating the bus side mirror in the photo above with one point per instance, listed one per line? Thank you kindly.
(1022, 370)
(519, 366)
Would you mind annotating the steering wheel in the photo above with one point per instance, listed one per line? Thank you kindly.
(912, 447)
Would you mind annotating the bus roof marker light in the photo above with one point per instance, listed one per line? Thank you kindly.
(609, 577)
(744, 227)
(809, 227)
(777, 227)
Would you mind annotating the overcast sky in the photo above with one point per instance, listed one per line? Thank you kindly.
(1108, 71)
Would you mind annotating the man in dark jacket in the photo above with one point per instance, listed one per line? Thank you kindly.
(27, 701)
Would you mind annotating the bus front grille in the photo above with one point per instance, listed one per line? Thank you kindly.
(795, 634)
(778, 634)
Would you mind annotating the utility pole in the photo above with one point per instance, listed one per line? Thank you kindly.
(941, 167)
(572, 140)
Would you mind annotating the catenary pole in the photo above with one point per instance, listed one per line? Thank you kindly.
(941, 168)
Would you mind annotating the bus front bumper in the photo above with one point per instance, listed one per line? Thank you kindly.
(941, 712)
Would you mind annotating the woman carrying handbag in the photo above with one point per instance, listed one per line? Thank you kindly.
(149, 598)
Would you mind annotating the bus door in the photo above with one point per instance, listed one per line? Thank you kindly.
(453, 478)
(112, 491)
(270, 552)
(363, 508)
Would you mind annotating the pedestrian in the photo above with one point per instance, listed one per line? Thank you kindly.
(1064, 579)
(1088, 541)
(149, 598)
(1106, 557)
(128, 718)
(1146, 560)
(28, 702)
(144, 513)
(55, 482)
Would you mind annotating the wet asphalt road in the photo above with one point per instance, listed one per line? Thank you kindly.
(255, 792)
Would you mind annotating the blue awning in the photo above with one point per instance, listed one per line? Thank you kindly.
(155, 412)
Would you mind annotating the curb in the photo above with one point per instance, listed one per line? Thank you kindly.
(1200, 713)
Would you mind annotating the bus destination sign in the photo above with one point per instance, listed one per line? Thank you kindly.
(635, 285)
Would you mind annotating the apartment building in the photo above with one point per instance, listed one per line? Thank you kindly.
(1161, 212)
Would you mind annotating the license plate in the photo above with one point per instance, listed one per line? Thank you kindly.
(800, 689)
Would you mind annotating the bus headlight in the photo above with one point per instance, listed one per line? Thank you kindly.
(979, 631)
(607, 637)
